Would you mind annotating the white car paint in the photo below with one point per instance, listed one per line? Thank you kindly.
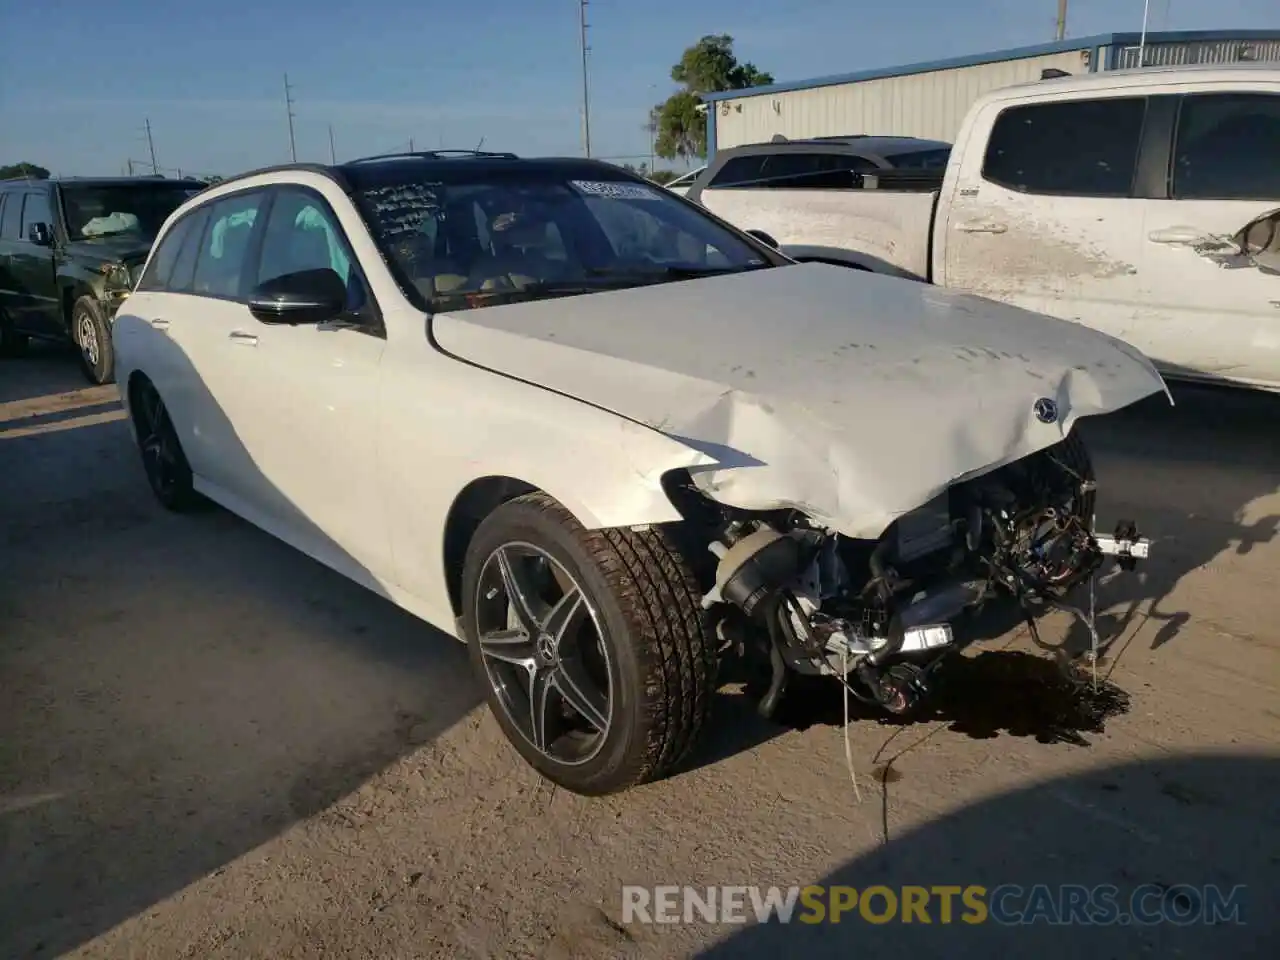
(854, 396)
(1146, 270)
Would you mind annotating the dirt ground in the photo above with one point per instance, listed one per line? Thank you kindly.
(212, 747)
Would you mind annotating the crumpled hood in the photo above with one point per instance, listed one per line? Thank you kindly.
(850, 396)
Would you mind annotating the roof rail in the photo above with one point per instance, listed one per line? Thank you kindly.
(438, 155)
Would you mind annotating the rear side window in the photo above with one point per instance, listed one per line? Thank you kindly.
(1228, 147)
(166, 255)
(1072, 148)
(220, 268)
(793, 171)
(4, 223)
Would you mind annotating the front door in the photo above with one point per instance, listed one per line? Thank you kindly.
(1046, 218)
(306, 409)
(35, 304)
(1211, 310)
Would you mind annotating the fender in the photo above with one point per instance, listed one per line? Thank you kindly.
(842, 257)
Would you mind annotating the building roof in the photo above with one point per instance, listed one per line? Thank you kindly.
(998, 56)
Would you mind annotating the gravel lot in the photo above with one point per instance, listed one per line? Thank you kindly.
(212, 747)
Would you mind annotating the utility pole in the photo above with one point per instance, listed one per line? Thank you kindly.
(151, 144)
(1062, 21)
(288, 106)
(130, 162)
(411, 144)
(1142, 44)
(333, 156)
(586, 101)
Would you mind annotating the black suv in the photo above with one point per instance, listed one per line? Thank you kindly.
(70, 252)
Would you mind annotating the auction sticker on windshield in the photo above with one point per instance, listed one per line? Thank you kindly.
(614, 190)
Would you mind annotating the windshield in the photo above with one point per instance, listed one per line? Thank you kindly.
(132, 209)
(534, 233)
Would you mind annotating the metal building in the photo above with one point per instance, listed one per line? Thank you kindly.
(930, 99)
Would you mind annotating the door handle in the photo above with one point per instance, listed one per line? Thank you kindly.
(244, 339)
(1178, 236)
(981, 227)
(160, 323)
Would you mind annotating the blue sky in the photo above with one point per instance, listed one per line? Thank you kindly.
(78, 79)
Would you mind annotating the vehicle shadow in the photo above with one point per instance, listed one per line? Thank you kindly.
(178, 689)
(1163, 833)
(45, 367)
(1187, 475)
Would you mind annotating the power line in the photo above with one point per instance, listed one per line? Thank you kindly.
(586, 101)
(288, 106)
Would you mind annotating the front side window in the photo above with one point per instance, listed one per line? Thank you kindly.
(35, 210)
(220, 267)
(1228, 147)
(302, 234)
(139, 209)
(1068, 148)
(471, 240)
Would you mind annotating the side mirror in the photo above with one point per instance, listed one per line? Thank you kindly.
(764, 238)
(305, 297)
(41, 234)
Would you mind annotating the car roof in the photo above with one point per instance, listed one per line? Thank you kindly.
(437, 166)
(102, 181)
(1145, 77)
(863, 145)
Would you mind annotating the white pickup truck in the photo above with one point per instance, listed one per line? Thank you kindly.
(1145, 204)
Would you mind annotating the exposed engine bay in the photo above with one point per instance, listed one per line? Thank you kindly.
(802, 599)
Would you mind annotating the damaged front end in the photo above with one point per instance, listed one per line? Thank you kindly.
(799, 598)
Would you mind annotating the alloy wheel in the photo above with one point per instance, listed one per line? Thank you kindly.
(87, 337)
(541, 642)
(159, 444)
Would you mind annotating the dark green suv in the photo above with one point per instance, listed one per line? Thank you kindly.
(70, 252)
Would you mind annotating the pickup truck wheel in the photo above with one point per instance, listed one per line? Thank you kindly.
(92, 334)
(165, 464)
(591, 645)
(12, 343)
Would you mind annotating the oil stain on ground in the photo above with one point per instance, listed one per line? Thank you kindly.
(997, 692)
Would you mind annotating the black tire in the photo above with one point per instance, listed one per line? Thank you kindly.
(92, 336)
(163, 460)
(12, 343)
(646, 619)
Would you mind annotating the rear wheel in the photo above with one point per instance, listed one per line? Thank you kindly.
(591, 645)
(165, 464)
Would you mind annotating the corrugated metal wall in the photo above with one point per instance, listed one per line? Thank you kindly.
(1182, 54)
(918, 105)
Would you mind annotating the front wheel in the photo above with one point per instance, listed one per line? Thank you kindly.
(92, 334)
(591, 645)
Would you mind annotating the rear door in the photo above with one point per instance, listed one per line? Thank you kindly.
(1042, 212)
(1212, 311)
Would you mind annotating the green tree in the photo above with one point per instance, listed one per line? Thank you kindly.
(709, 66)
(32, 170)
